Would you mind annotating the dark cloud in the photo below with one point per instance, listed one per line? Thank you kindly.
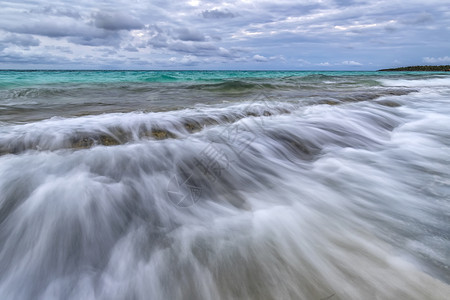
(188, 43)
(417, 19)
(185, 34)
(130, 48)
(166, 38)
(193, 48)
(391, 28)
(53, 29)
(21, 40)
(57, 11)
(116, 21)
(345, 2)
(158, 37)
(95, 41)
(217, 14)
(21, 59)
(59, 49)
(75, 32)
(216, 38)
(107, 52)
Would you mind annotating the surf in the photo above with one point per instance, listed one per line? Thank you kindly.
(337, 192)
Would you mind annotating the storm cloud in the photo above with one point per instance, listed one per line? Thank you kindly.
(217, 14)
(20, 40)
(116, 21)
(287, 34)
(185, 34)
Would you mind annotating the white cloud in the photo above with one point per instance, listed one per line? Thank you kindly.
(351, 63)
(433, 60)
(260, 58)
(186, 60)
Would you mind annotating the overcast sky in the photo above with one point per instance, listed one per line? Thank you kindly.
(240, 34)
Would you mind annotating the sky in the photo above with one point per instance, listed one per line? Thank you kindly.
(221, 35)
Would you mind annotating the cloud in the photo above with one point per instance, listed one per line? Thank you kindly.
(63, 50)
(197, 49)
(433, 60)
(57, 11)
(94, 40)
(343, 63)
(51, 28)
(74, 31)
(157, 37)
(21, 40)
(130, 48)
(116, 21)
(33, 59)
(217, 14)
(185, 34)
(183, 41)
(303, 61)
(260, 58)
(416, 19)
(187, 60)
(351, 63)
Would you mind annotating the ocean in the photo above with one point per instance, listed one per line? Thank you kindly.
(224, 185)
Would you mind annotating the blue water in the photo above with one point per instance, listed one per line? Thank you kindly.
(224, 185)
(27, 78)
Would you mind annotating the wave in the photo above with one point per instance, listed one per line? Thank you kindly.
(126, 90)
(121, 128)
(321, 202)
(75, 91)
(32, 92)
(232, 86)
(430, 82)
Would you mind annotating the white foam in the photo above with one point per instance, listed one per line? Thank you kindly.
(432, 82)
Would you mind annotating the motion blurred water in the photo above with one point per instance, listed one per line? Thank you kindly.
(224, 185)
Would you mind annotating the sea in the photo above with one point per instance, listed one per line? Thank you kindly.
(224, 185)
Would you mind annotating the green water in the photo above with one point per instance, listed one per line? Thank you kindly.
(23, 78)
(36, 95)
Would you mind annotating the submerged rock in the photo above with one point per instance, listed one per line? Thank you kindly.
(160, 134)
(389, 103)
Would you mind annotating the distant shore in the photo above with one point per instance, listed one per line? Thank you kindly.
(444, 68)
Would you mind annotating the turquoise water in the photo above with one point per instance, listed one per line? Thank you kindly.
(36, 95)
(26, 78)
(224, 185)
